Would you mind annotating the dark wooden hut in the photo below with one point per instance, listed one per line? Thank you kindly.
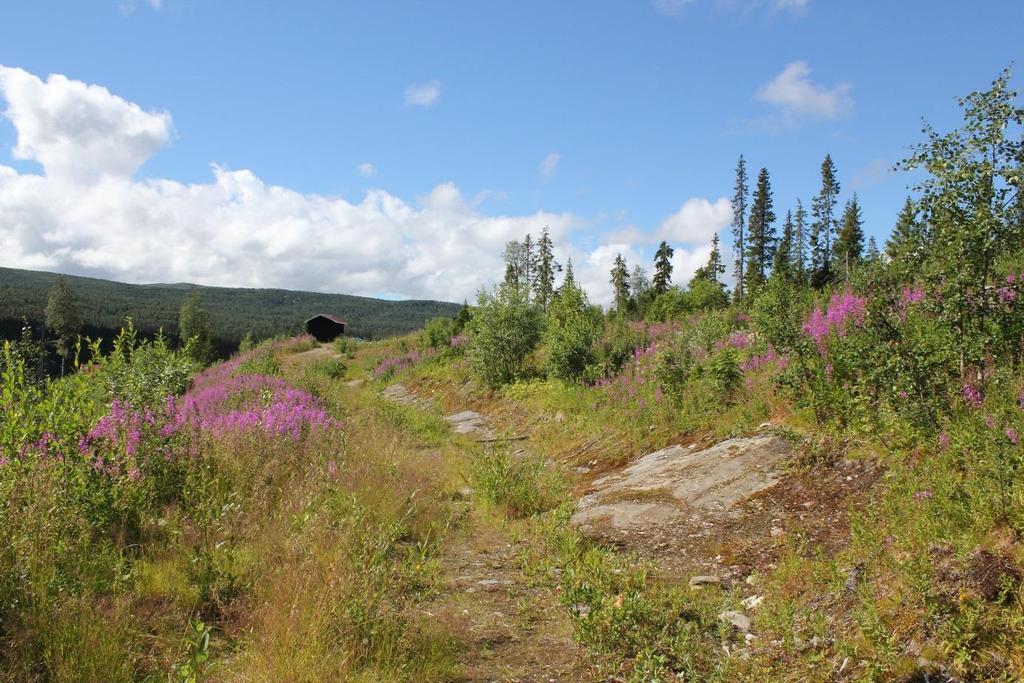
(325, 328)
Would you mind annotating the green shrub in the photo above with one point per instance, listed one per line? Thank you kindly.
(333, 368)
(571, 330)
(346, 346)
(506, 328)
(522, 486)
(438, 333)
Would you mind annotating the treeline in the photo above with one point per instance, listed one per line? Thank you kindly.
(233, 312)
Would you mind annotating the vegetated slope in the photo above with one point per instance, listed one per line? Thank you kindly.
(233, 311)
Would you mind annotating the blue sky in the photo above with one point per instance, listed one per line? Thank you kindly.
(637, 107)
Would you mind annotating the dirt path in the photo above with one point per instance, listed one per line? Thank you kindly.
(511, 629)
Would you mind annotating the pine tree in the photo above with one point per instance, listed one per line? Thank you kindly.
(546, 267)
(62, 317)
(620, 283)
(799, 251)
(760, 234)
(739, 212)
(663, 268)
(823, 229)
(194, 327)
(782, 265)
(849, 246)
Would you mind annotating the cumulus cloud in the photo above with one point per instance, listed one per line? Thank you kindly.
(423, 94)
(366, 169)
(797, 98)
(549, 165)
(86, 213)
(79, 132)
(697, 221)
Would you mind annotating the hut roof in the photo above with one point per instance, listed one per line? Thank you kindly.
(332, 318)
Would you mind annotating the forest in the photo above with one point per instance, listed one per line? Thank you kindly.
(234, 312)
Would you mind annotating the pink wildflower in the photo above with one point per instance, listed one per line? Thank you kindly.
(923, 495)
(972, 395)
(944, 441)
(1011, 434)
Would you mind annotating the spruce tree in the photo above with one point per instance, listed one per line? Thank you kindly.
(194, 327)
(715, 266)
(62, 317)
(662, 268)
(760, 234)
(872, 253)
(799, 251)
(620, 283)
(849, 246)
(782, 264)
(546, 267)
(739, 212)
(570, 278)
(823, 228)
(529, 264)
(906, 241)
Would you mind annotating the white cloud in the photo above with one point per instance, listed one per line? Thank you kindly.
(366, 169)
(423, 94)
(696, 221)
(87, 214)
(798, 98)
(549, 165)
(76, 131)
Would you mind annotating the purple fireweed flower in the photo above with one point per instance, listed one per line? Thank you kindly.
(1011, 434)
(332, 469)
(990, 422)
(972, 395)
(843, 309)
(458, 341)
(911, 295)
(1006, 295)
(902, 393)
(1011, 279)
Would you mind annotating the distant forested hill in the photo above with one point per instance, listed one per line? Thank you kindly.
(233, 312)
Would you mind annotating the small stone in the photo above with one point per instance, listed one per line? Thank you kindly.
(765, 425)
(853, 577)
(753, 601)
(698, 582)
(776, 532)
(739, 620)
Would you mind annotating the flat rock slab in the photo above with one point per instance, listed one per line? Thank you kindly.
(399, 393)
(470, 423)
(676, 484)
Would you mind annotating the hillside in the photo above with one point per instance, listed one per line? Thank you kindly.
(233, 311)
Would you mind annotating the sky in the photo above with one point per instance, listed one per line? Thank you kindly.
(392, 148)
